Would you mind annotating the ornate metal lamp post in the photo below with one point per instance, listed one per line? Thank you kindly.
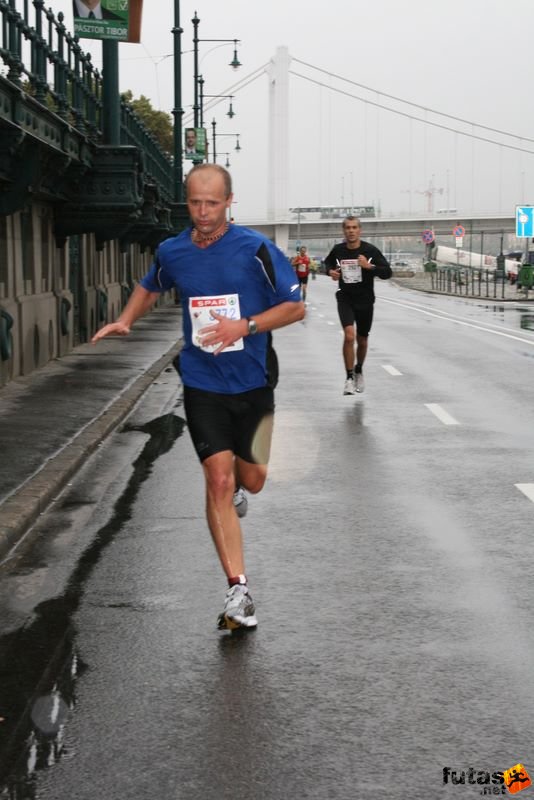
(214, 139)
(178, 110)
(234, 63)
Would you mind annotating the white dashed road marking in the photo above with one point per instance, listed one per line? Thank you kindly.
(527, 489)
(441, 414)
(391, 370)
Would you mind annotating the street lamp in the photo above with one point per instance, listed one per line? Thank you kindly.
(237, 145)
(177, 111)
(235, 63)
(214, 139)
(230, 113)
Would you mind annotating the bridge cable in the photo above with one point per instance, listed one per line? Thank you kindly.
(417, 119)
(415, 105)
(233, 89)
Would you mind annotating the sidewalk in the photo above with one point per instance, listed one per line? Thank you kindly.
(53, 419)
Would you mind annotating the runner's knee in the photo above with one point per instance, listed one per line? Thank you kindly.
(219, 483)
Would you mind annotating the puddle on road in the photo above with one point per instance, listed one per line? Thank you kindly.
(526, 322)
(516, 316)
(39, 664)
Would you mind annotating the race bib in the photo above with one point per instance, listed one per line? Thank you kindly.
(199, 311)
(351, 272)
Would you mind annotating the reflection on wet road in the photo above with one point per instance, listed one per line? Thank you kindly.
(505, 318)
(39, 664)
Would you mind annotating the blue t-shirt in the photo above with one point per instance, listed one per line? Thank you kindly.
(242, 263)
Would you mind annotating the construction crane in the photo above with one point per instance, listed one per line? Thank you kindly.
(429, 194)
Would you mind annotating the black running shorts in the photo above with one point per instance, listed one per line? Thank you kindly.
(350, 313)
(241, 423)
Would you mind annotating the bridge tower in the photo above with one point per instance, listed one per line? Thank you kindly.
(277, 200)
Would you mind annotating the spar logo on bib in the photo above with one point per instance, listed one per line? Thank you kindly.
(210, 302)
(200, 313)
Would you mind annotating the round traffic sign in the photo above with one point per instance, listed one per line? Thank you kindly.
(427, 236)
(459, 231)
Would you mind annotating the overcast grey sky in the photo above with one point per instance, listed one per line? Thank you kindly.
(470, 59)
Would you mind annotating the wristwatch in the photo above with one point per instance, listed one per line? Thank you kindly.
(252, 326)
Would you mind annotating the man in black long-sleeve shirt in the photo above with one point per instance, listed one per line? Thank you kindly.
(355, 264)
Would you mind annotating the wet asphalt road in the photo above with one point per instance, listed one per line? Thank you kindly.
(389, 557)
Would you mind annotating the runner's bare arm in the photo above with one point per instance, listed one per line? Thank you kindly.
(138, 304)
(279, 316)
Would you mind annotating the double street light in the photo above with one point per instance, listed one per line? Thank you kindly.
(234, 63)
(214, 139)
(230, 113)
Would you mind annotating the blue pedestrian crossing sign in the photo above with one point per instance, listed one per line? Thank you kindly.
(524, 222)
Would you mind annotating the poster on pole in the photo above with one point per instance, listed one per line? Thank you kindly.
(195, 144)
(119, 20)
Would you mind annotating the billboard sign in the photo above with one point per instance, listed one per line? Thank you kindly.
(107, 19)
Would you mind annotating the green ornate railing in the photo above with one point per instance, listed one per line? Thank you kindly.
(46, 61)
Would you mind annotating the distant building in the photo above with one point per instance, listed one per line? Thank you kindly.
(334, 212)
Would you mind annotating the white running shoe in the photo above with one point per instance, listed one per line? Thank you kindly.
(359, 382)
(240, 502)
(349, 386)
(239, 611)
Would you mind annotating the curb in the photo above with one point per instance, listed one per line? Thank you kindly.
(23, 507)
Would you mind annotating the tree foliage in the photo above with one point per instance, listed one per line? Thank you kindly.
(159, 123)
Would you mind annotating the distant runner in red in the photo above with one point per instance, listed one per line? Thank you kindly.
(301, 265)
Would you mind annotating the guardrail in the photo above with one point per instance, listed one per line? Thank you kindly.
(476, 282)
(469, 282)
